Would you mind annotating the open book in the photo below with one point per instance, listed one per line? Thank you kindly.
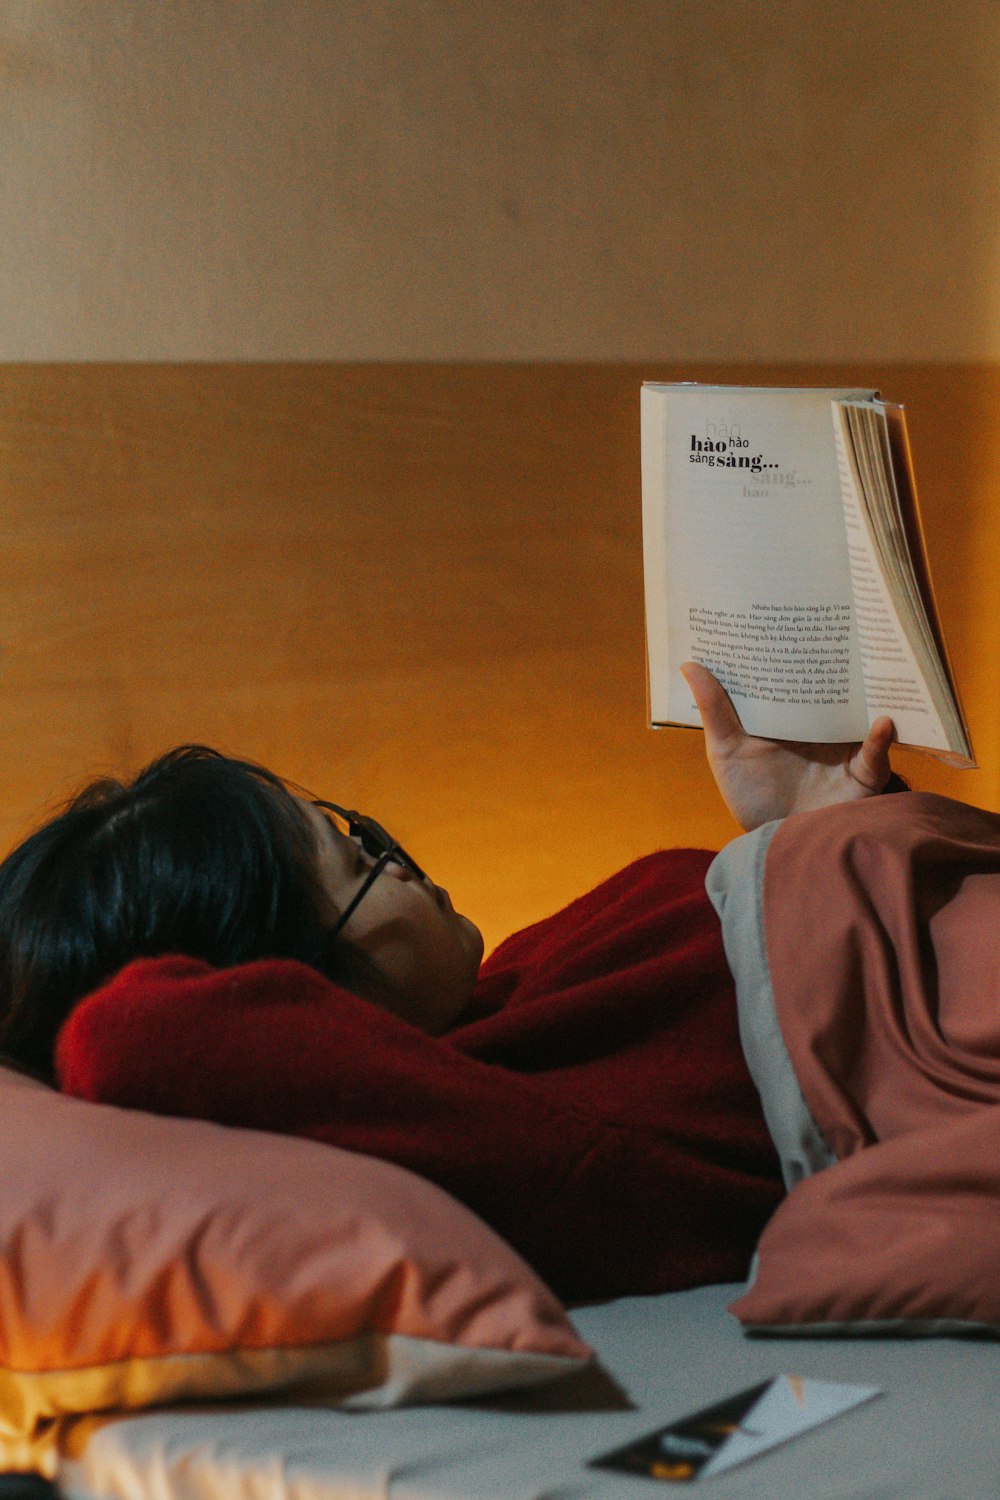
(783, 550)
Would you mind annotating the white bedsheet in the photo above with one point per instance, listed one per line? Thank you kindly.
(934, 1435)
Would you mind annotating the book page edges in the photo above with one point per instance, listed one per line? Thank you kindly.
(895, 414)
(657, 635)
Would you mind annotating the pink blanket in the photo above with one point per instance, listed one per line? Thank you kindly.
(882, 929)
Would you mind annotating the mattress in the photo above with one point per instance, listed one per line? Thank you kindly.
(934, 1432)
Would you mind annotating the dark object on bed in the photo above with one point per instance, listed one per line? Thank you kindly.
(26, 1486)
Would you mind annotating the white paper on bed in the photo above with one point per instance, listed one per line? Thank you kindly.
(790, 1406)
(732, 1431)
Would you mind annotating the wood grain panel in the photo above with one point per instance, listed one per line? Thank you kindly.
(413, 588)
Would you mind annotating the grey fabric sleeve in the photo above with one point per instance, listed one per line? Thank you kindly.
(735, 885)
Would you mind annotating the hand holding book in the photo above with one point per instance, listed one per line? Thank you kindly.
(762, 779)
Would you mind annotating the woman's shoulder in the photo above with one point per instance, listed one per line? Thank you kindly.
(647, 883)
(646, 909)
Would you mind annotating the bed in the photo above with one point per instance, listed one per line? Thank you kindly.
(935, 1432)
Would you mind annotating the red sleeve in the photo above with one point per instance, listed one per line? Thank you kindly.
(275, 1046)
(622, 1171)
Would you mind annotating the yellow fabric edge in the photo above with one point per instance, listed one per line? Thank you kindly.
(29, 1399)
(36, 1409)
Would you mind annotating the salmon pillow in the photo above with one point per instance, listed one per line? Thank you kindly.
(146, 1260)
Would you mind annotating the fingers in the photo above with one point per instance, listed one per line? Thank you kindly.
(870, 766)
(718, 716)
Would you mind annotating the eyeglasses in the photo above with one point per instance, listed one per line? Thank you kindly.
(377, 844)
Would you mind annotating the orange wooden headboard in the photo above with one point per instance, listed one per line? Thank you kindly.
(413, 588)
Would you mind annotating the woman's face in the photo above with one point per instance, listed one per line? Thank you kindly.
(417, 956)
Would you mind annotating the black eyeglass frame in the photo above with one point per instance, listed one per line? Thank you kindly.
(377, 843)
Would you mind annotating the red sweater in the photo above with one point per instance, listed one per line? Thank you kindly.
(593, 1105)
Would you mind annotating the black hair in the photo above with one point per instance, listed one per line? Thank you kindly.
(200, 854)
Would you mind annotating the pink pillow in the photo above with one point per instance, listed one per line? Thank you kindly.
(899, 1238)
(146, 1260)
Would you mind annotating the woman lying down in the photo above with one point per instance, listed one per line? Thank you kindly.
(204, 942)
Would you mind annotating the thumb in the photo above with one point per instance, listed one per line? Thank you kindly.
(870, 766)
(718, 716)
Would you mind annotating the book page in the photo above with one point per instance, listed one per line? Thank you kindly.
(893, 681)
(746, 560)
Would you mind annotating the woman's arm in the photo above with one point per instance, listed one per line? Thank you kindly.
(764, 779)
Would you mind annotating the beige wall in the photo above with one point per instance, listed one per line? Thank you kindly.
(499, 179)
